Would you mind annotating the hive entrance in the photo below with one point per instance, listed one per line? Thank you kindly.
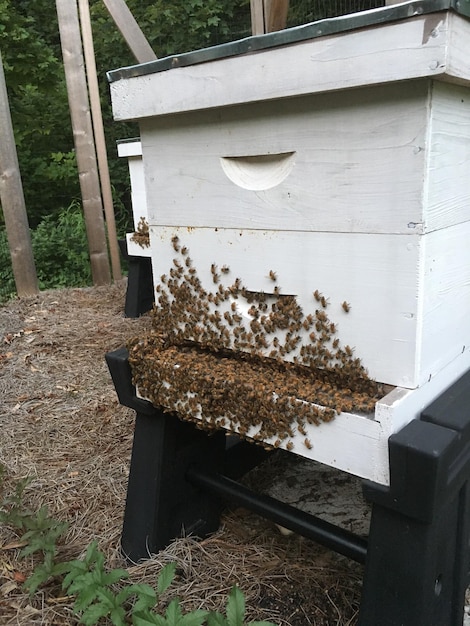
(246, 361)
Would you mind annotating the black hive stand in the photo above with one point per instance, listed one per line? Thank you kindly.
(417, 554)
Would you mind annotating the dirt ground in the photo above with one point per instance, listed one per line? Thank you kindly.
(62, 425)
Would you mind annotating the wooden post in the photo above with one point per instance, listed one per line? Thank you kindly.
(268, 16)
(257, 17)
(130, 30)
(13, 204)
(69, 29)
(275, 14)
(97, 120)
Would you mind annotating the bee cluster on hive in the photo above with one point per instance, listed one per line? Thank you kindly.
(141, 235)
(249, 362)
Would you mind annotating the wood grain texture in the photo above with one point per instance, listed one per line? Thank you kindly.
(447, 185)
(358, 163)
(376, 274)
(415, 48)
(445, 293)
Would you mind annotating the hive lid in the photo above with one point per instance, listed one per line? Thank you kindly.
(304, 32)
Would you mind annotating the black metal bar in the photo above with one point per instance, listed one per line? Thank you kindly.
(305, 524)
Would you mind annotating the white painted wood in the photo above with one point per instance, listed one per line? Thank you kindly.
(447, 188)
(129, 148)
(445, 294)
(358, 163)
(376, 274)
(138, 191)
(133, 151)
(359, 444)
(457, 57)
(134, 249)
(417, 47)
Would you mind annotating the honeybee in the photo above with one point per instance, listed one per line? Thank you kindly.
(289, 445)
(346, 306)
(174, 241)
(307, 444)
(317, 295)
(225, 269)
(272, 275)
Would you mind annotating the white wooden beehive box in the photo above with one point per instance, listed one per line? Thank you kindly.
(132, 150)
(337, 155)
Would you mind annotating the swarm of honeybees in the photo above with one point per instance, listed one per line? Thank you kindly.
(141, 235)
(249, 362)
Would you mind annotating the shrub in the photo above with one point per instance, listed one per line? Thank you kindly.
(61, 251)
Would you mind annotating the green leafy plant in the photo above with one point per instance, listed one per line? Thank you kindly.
(97, 592)
(88, 579)
(142, 616)
(61, 250)
(41, 533)
(235, 612)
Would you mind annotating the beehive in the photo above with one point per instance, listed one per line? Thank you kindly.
(336, 156)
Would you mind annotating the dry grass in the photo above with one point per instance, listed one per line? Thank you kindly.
(62, 425)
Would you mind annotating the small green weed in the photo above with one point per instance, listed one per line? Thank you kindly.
(94, 586)
(41, 533)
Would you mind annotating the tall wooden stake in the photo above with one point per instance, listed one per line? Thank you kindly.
(268, 15)
(69, 29)
(13, 204)
(97, 119)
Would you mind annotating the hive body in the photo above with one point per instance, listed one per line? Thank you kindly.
(338, 164)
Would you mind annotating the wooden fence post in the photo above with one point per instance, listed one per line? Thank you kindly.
(69, 29)
(13, 204)
(268, 15)
(97, 120)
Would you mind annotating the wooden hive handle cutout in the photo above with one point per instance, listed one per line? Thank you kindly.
(260, 172)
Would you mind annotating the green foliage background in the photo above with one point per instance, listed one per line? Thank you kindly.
(32, 58)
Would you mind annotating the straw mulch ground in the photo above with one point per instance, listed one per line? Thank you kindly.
(62, 425)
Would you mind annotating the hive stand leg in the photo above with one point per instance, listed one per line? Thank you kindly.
(140, 296)
(161, 504)
(417, 561)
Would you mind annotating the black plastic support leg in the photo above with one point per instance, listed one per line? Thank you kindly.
(417, 560)
(161, 504)
(417, 556)
(140, 295)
